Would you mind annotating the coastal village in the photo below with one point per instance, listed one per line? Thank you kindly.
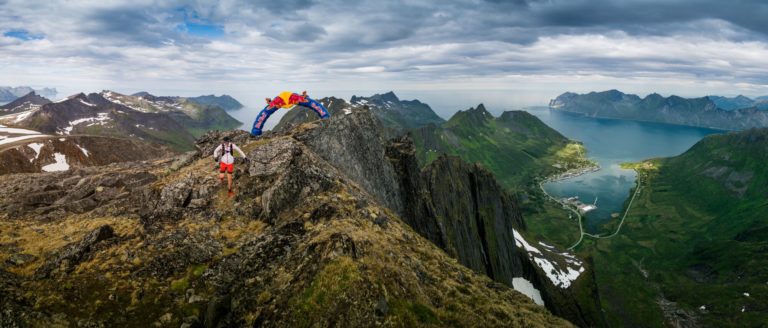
(578, 204)
(570, 203)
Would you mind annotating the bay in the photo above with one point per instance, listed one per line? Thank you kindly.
(610, 143)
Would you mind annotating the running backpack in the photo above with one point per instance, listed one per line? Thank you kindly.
(224, 151)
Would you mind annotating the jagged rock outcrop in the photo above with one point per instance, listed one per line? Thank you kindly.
(303, 242)
(48, 196)
(353, 143)
(73, 254)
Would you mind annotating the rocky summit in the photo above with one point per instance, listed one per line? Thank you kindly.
(319, 232)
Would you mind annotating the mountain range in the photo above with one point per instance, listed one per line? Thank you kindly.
(322, 231)
(699, 112)
(739, 102)
(170, 121)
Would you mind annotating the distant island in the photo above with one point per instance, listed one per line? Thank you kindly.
(705, 112)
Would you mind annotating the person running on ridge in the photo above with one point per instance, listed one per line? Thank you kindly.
(225, 156)
(287, 99)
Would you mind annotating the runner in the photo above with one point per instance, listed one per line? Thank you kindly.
(224, 155)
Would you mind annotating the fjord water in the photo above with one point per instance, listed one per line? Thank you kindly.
(610, 143)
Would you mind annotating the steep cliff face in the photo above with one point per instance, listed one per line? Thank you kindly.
(353, 143)
(462, 208)
(478, 218)
(302, 243)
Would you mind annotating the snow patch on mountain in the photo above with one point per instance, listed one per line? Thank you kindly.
(20, 116)
(85, 151)
(100, 119)
(86, 103)
(36, 147)
(8, 140)
(60, 165)
(521, 242)
(561, 273)
(526, 287)
(25, 106)
(17, 131)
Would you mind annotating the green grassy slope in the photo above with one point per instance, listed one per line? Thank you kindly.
(200, 119)
(516, 146)
(697, 235)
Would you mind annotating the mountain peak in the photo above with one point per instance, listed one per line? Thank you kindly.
(141, 94)
(80, 95)
(472, 117)
(389, 96)
(29, 101)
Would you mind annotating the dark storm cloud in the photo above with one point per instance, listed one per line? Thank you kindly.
(129, 25)
(282, 7)
(292, 31)
(643, 15)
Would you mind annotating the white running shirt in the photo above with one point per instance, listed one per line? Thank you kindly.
(227, 158)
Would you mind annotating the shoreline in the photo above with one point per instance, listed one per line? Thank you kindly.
(572, 173)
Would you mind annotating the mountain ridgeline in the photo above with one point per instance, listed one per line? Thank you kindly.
(225, 102)
(398, 114)
(740, 101)
(516, 146)
(317, 235)
(699, 112)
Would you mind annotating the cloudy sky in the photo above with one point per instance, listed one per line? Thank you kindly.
(451, 54)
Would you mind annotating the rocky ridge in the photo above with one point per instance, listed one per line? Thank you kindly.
(306, 241)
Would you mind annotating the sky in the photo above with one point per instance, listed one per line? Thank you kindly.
(450, 54)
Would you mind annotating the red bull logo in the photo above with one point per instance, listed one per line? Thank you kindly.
(260, 121)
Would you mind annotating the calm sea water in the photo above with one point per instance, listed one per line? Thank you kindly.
(611, 142)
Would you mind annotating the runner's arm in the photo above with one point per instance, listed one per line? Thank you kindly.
(216, 152)
(239, 151)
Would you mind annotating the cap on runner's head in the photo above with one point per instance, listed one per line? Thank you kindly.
(227, 139)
